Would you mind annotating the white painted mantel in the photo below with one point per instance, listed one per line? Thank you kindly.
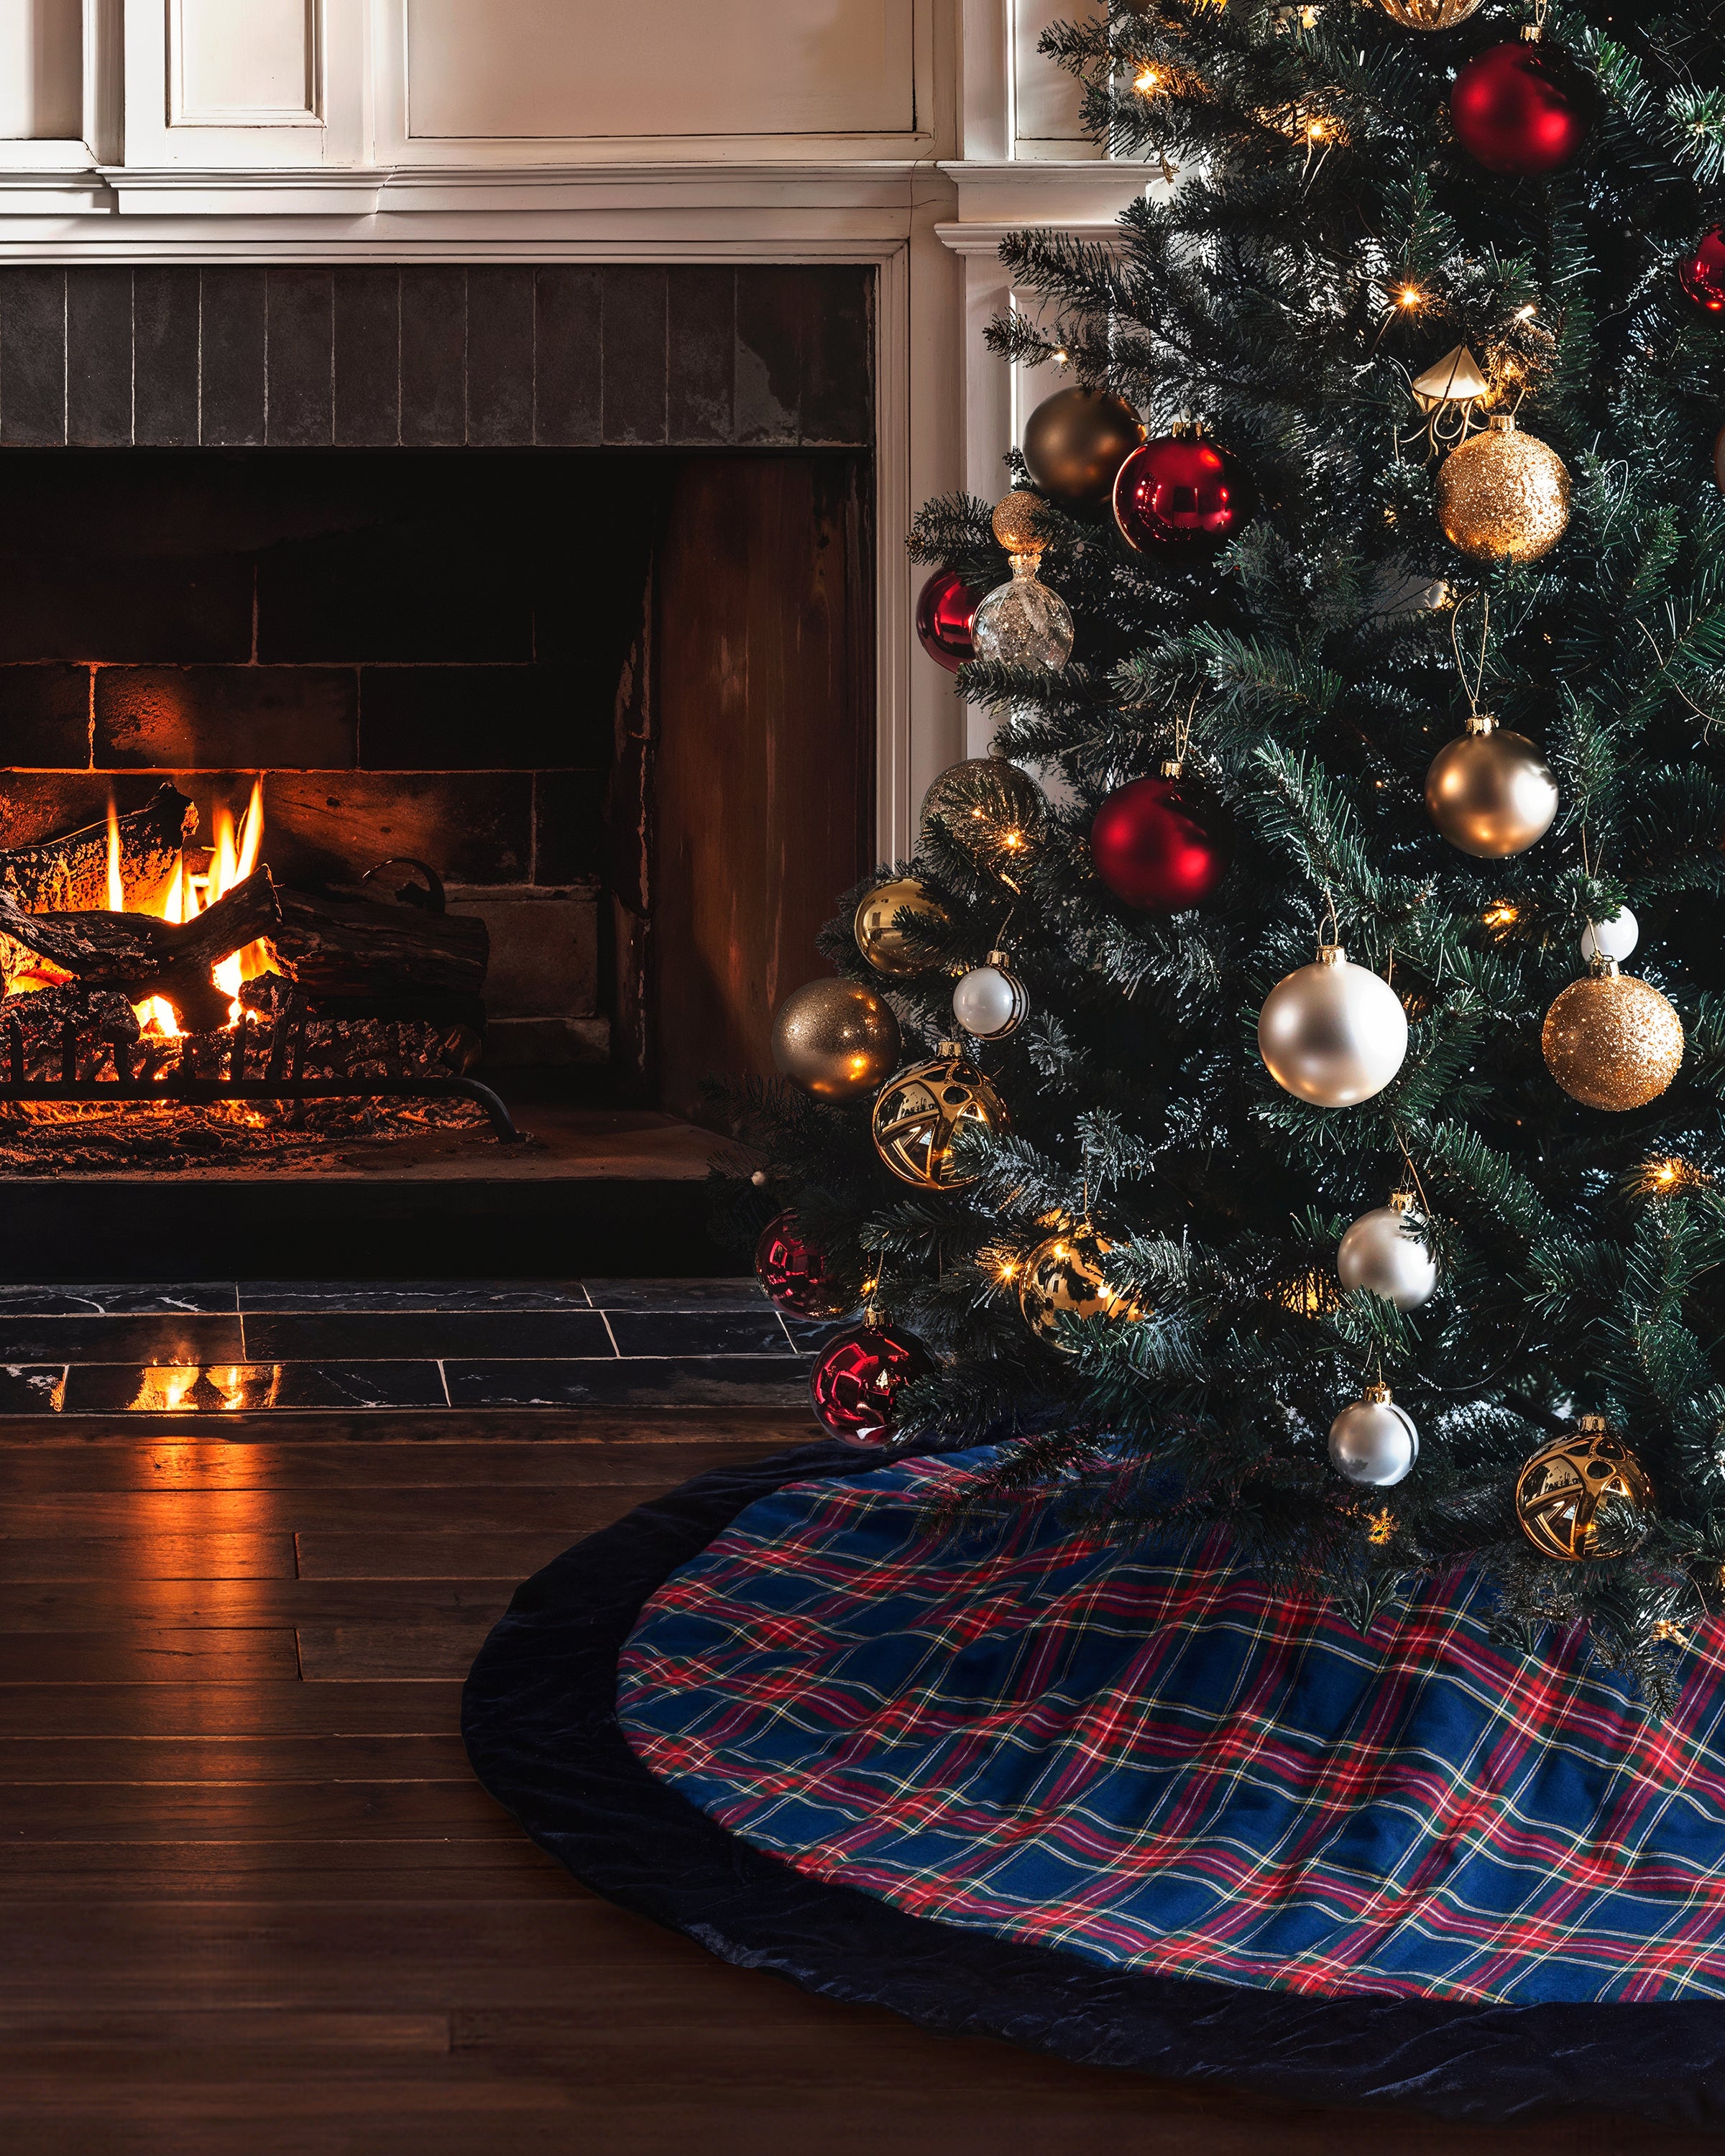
(906, 134)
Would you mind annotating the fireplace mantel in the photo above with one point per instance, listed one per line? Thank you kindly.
(289, 131)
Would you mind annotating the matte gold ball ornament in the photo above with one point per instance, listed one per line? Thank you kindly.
(1430, 14)
(837, 1039)
(1563, 1486)
(1611, 1041)
(1076, 442)
(919, 1115)
(1491, 793)
(895, 925)
(1063, 1278)
(1503, 496)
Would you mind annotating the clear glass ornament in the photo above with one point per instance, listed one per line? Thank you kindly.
(1024, 623)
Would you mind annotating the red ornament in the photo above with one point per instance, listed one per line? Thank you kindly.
(1181, 492)
(1160, 845)
(1703, 273)
(944, 614)
(796, 1275)
(1522, 109)
(854, 1386)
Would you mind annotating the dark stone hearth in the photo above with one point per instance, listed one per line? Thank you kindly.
(697, 1333)
(119, 1339)
(440, 355)
(693, 1381)
(565, 1335)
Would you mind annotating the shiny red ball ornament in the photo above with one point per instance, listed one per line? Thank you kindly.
(1160, 845)
(1182, 494)
(795, 1272)
(1521, 109)
(1703, 273)
(944, 614)
(855, 1384)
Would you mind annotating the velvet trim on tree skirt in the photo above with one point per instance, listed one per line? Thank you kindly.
(858, 1644)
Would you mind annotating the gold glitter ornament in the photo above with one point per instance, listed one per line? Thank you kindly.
(1611, 1041)
(893, 946)
(1430, 14)
(1563, 1487)
(1015, 522)
(920, 1114)
(836, 1039)
(1504, 495)
(987, 806)
(1491, 793)
(1063, 1278)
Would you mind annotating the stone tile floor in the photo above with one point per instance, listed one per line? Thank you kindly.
(222, 1346)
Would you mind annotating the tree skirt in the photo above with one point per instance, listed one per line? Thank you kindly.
(1133, 1809)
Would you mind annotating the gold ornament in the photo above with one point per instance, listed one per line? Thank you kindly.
(1490, 793)
(1063, 1278)
(1561, 1488)
(1504, 496)
(1457, 378)
(1016, 521)
(988, 807)
(1611, 1041)
(1430, 14)
(890, 945)
(1076, 442)
(836, 1039)
(917, 1116)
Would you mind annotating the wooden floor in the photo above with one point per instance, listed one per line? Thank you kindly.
(254, 1902)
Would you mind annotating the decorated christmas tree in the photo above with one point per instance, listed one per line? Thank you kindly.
(1285, 1089)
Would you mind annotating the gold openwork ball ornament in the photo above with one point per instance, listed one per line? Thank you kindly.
(1016, 522)
(1076, 442)
(1612, 1041)
(1063, 1278)
(837, 1039)
(1564, 1486)
(1430, 14)
(1503, 496)
(897, 925)
(1491, 793)
(919, 1115)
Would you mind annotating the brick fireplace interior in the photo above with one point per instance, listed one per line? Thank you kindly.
(555, 578)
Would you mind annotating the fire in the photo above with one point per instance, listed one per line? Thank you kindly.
(234, 856)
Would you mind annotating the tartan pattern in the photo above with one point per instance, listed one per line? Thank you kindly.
(1153, 1761)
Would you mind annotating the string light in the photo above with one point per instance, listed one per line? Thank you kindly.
(1667, 1177)
(1411, 296)
(1500, 917)
(1146, 80)
(1381, 1529)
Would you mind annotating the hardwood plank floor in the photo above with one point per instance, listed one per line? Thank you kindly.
(255, 1904)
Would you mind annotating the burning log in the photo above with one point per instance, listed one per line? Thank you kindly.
(142, 957)
(354, 947)
(70, 875)
(39, 1024)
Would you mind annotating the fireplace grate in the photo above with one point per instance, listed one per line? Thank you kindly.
(282, 1078)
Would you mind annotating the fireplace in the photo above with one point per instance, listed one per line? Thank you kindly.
(481, 624)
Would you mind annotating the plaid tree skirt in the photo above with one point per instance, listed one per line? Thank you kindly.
(1154, 1764)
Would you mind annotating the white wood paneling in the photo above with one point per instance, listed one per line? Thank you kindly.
(1045, 97)
(667, 77)
(258, 67)
(41, 70)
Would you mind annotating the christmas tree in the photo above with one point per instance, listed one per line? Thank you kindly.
(1377, 477)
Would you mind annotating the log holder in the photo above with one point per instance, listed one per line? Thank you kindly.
(282, 1078)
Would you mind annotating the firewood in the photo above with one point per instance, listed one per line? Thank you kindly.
(348, 946)
(70, 875)
(41, 1018)
(141, 956)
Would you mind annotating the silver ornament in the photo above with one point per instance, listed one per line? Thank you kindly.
(990, 1002)
(1615, 938)
(1333, 1034)
(1374, 1441)
(1024, 623)
(1382, 1251)
(1491, 793)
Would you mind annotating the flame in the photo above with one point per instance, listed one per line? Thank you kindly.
(235, 859)
(116, 882)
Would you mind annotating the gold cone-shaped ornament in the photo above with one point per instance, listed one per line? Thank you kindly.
(1457, 378)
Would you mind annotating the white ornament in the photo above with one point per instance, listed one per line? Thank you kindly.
(1382, 1251)
(1374, 1441)
(1615, 938)
(1333, 1034)
(990, 1001)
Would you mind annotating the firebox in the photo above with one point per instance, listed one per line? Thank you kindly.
(403, 672)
